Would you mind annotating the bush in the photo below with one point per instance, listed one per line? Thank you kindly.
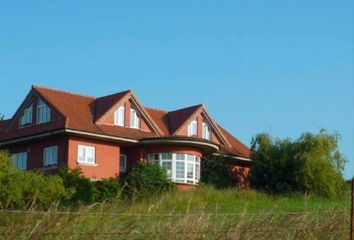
(21, 189)
(311, 164)
(147, 179)
(215, 172)
(84, 191)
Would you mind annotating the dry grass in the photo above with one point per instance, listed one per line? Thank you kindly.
(204, 214)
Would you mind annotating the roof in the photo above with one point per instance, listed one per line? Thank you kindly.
(81, 112)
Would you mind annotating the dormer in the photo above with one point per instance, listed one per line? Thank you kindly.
(196, 122)
(124, 110)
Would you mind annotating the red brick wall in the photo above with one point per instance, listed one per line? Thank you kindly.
(106, 156)
(35, 151)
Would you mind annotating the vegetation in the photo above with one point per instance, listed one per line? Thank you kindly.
(215, 172)
(311, 164)
(19, 189)
(147, 179)
(206, 213)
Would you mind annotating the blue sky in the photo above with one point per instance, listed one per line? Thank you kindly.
(282, 67)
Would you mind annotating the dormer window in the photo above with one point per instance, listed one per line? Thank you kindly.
(26, 117)
(119, 116)
(43, 112)
(206, 131)
(134, 119)
(193, 128)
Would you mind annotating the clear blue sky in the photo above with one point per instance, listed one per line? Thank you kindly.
(282, 67)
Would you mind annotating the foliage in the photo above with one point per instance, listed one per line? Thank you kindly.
(146, 180)
(20, 189)
(2, 116)
(215, 172)
(84, 191)
(311, 164)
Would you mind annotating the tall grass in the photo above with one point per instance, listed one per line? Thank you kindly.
(202, 214)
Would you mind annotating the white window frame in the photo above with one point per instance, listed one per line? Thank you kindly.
(206, 131)
(50, 156)
(43, 112)
(26, 117)
(119, 116)
(85, 150)
(20, 160)
(134, 119)
(193, 128)
(123, 159)
(179, 159)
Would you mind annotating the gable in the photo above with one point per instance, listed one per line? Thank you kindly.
(201, 115)
(105, 108)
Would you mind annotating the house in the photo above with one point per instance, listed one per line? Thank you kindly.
(107, 136)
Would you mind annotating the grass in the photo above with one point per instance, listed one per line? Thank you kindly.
(202, 214)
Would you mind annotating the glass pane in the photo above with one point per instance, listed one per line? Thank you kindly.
(197, 172)
(180, 170)
(190, 170)
(190, 158)
(180, 156)
(166, 156)
(167, 165)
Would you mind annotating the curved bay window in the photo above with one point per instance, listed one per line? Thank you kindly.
(181, 168)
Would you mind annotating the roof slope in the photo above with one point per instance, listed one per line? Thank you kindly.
(103, 104)
(178, 117)
(237, 147)
(79, 112)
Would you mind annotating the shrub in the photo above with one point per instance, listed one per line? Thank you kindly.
(215, 172)
(311, 164)
(147, 179)
(20, 189)
(85, 191)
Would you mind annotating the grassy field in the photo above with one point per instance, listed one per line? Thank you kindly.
(202, 214)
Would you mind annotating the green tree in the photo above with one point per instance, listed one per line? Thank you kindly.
(310, 164)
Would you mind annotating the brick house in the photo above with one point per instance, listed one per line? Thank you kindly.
(106, 136)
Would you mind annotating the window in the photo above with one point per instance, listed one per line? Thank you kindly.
(43, 112)
(86, 154)
(181, 168)
(134, 119)
(50, 156)
(119, 116)
(20, 160)
(193, 128)
(206, 131)
(123, 163)
(26, 117)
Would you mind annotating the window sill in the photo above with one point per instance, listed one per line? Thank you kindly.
(87, 164)
(46, 168)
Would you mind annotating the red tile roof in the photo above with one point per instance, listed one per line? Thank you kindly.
(80, 112)
(178, 117)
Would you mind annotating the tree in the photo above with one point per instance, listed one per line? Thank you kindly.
(310, 164)
(2, 116)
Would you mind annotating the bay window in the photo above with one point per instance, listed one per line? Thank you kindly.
(181, 168)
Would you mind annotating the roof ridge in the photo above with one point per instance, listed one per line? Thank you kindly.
(110, 95)
(62, 91)
(193, 106)
(157, 109)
